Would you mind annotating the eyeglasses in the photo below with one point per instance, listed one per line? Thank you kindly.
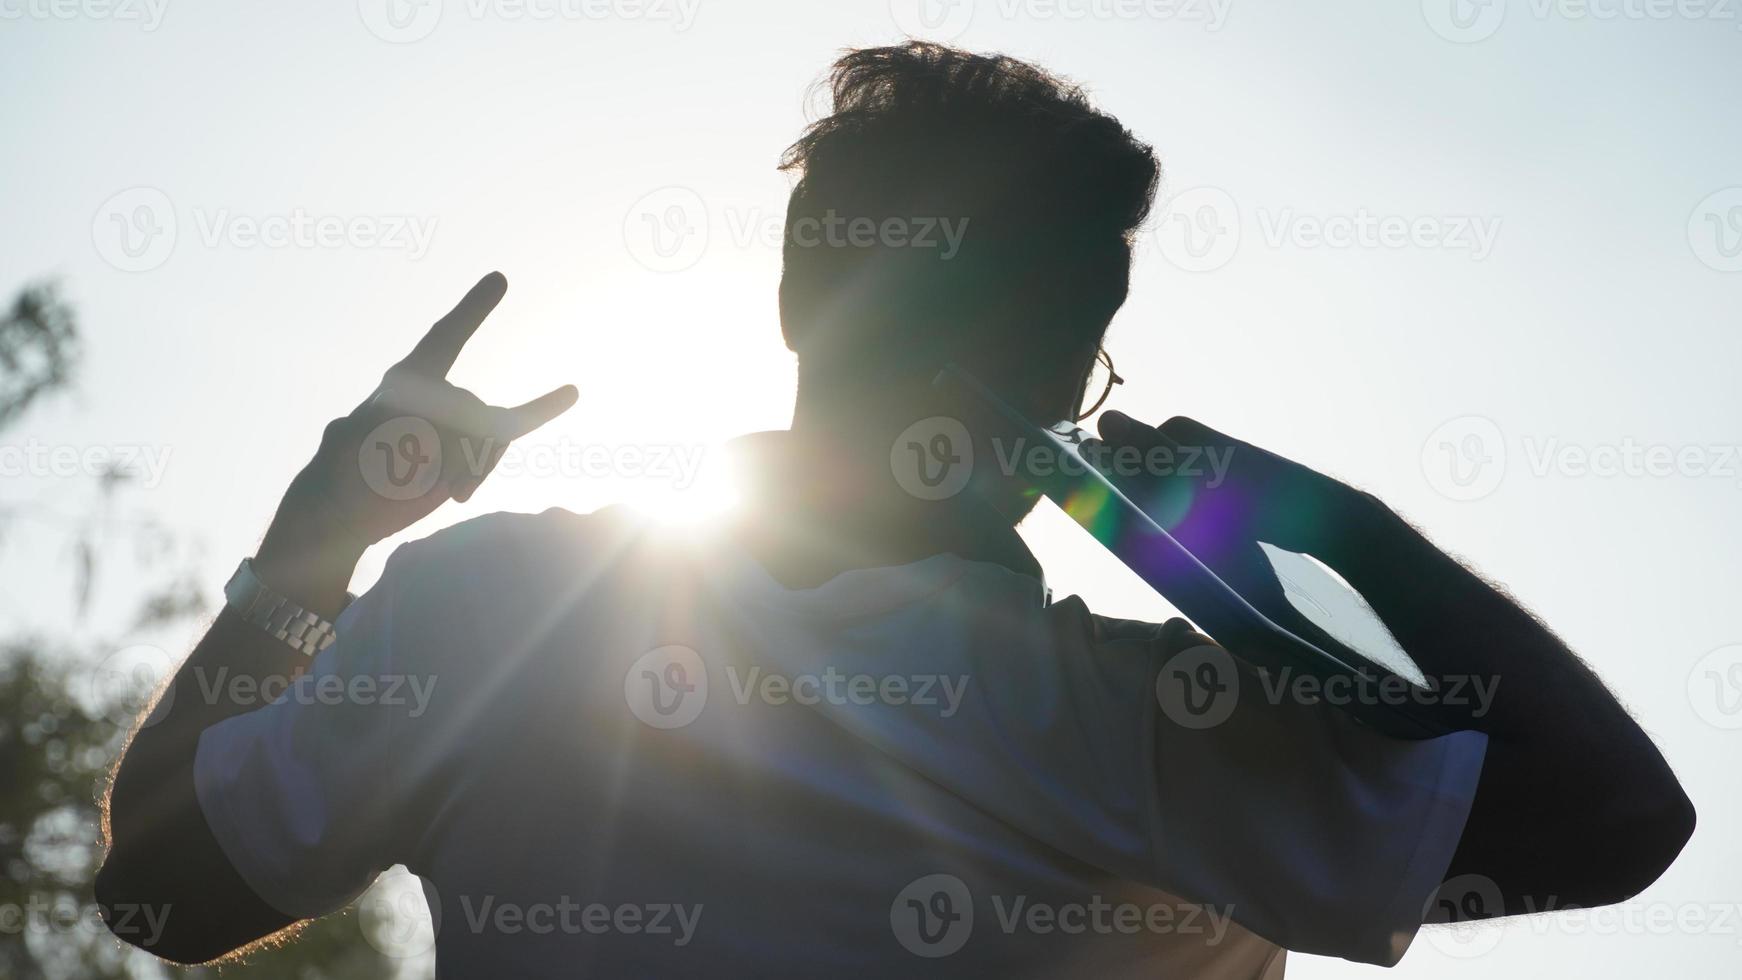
(1095, 381)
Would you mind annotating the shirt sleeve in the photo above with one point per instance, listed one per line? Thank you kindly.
(1317, 832)
(304, 795)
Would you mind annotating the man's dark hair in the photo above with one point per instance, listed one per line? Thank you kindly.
(1050, 189)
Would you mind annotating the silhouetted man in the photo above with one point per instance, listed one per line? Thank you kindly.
(846, 732)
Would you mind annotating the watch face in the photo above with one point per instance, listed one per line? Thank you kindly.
(243, 587)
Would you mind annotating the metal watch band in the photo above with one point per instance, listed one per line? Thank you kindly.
(306, 632)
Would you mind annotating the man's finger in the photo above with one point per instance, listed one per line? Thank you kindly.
(439, 348)
(1119, 429)
(437, 402)
(1190, 432)
(522, 419)
(464, 489)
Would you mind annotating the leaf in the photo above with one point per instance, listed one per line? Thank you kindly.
(39, 348)
(84, 573)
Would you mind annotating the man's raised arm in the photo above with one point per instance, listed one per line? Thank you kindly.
(163, 865)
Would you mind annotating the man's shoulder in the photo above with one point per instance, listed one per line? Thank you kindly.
(513, 533)
(502, 577)
(490, 551)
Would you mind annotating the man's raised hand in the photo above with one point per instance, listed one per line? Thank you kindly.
(415, 442)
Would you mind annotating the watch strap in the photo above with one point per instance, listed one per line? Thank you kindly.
(306, 632)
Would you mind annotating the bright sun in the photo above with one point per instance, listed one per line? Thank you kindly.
(711, 495)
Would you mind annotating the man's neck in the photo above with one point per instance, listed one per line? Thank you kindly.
(817, 507)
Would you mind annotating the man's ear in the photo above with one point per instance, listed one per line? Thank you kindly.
(786, 316)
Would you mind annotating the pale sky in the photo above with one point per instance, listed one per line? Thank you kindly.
(1510, 232)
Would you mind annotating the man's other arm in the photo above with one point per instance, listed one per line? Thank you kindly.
(1574, 806)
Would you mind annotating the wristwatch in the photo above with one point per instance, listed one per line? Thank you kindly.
(306, 632)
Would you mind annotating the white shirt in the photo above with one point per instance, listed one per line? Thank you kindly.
(609, 751)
